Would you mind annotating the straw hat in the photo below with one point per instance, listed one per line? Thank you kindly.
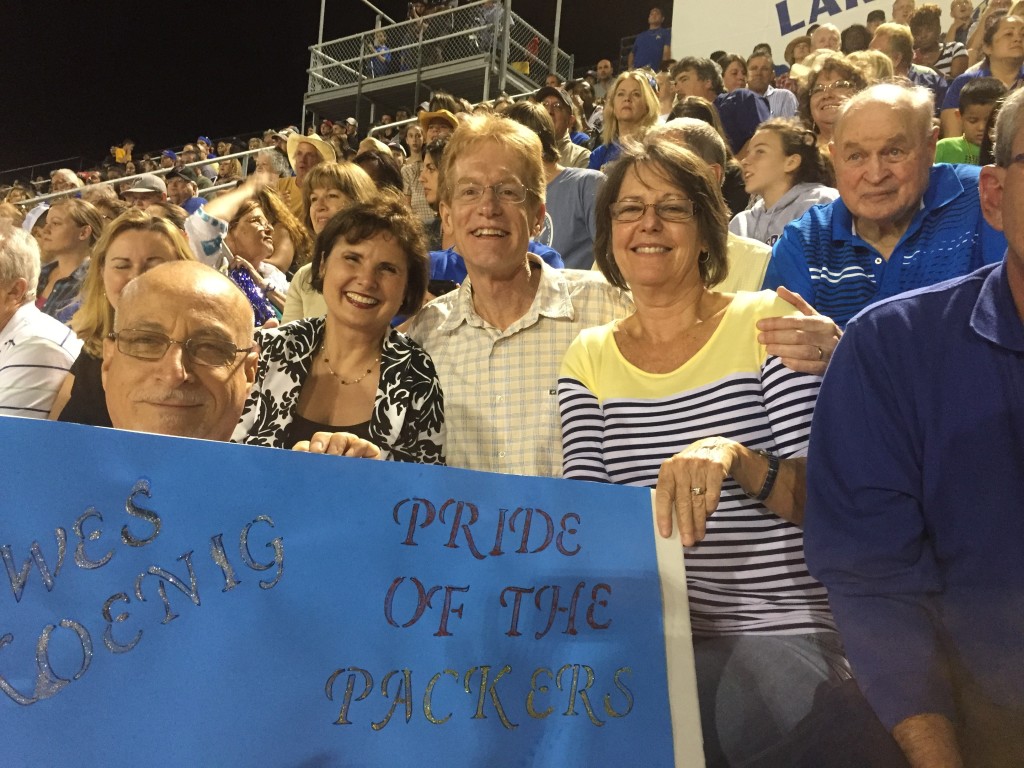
(441, 114)
(325, 148)
(370, 144)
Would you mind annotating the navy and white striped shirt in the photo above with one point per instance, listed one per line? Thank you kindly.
(619, 424)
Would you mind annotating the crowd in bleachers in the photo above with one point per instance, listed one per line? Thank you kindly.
(635, 277)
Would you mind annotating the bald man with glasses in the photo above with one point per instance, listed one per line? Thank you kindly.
(181, 359)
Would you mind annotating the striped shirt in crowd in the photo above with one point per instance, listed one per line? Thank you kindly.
(36, 353)
(619, 423)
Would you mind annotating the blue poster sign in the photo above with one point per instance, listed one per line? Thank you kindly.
(167, 601)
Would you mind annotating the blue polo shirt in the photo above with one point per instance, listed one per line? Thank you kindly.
(915, 492)
(649, 48)
(820, 257)
(604, 154)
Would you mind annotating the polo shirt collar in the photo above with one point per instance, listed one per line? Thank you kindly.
(944, 186)
(995, 315)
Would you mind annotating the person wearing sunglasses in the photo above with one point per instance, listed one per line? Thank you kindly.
(680, 396)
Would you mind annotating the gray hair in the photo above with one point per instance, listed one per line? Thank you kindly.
(697, 136)
(1008, 125)
(68, 175)
(916, 100)
(278, 160)
(19, 257)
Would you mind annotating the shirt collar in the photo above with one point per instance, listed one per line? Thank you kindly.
(995, 315)
(551, 300)
(944, 186)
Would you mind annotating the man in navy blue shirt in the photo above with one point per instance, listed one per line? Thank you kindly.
(653, 45)
(914, 497)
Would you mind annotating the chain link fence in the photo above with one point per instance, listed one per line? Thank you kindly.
(529, 54)
(449, 37)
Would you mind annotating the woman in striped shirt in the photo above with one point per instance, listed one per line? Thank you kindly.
(681, 396)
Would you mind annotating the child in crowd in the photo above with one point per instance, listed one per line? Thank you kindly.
(785, 168)
(977, 100)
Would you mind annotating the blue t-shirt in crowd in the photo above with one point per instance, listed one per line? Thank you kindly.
(649, 48)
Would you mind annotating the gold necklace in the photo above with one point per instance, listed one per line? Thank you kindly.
(327, 362)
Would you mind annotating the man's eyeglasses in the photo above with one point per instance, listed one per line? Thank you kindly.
(151, 345)
(667, 210)
(511, 192)
(1016, 159)
(840, 85)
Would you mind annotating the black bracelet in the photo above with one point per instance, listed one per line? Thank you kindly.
(769, 479)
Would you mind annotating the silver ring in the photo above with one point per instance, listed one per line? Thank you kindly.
(697, 491)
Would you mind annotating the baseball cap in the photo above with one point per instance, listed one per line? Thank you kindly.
(188, 174)
(148, 182)
(558, 93)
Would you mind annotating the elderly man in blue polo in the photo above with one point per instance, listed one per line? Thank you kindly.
(900, 223)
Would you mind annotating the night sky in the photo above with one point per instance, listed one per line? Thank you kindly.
(82, 76)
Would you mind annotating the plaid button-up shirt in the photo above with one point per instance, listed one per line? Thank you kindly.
(500, 387)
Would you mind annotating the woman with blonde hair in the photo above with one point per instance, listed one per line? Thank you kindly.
(72, 228)
(328, 188)
(631, 108)
(293, 245)
(133, 243)
(874, 65)
(229, 170)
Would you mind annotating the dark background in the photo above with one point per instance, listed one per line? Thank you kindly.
(80, 76)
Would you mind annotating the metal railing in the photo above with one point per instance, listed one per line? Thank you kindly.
(246, 168)
(375, 129)
(447, 37)
(28, 173)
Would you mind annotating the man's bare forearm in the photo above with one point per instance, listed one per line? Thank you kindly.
(928, 741)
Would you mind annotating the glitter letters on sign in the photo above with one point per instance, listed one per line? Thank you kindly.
(529, 621)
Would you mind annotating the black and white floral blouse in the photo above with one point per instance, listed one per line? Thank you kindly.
(407, 423)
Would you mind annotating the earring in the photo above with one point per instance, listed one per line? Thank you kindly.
(704, 257)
